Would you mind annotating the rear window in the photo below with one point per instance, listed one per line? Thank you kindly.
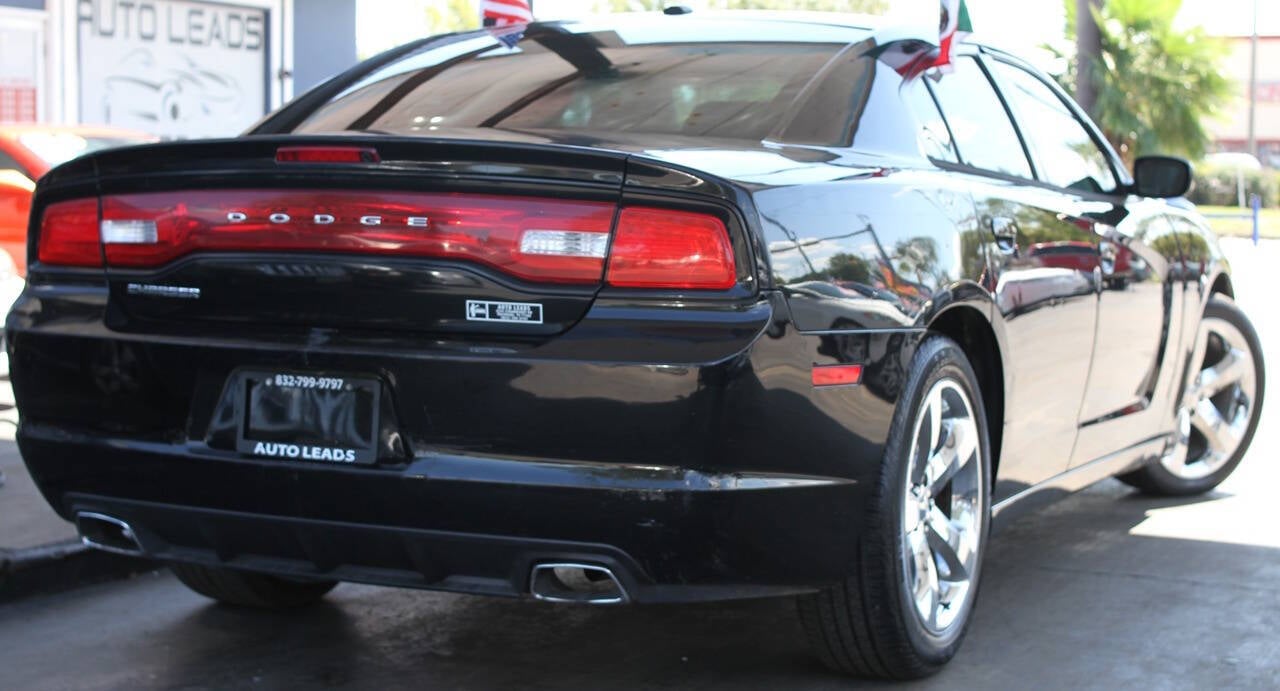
(590, 82)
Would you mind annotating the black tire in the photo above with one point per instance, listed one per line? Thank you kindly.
(245, 589)
(868, 626)
(1157, 480)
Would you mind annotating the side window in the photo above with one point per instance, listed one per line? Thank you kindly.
(932, 135)
(984, 135)
(1064, 153)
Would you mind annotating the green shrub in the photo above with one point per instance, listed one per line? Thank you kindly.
(1218, 187)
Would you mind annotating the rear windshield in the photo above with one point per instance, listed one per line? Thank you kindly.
(556, 79)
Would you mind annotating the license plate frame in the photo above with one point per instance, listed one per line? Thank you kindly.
(353, 407)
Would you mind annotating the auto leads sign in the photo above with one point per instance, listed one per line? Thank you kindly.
(173, 68)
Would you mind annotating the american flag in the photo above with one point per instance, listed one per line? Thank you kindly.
(505, 12)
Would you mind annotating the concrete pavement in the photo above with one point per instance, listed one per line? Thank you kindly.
(1106, 589)
(1097, 592)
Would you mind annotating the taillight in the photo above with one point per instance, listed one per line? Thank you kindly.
(326, 154)
(69, 234)
(546, 240)
(674, 250)
(535, 239)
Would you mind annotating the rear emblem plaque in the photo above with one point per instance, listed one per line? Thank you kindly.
(505, 312)
(160, 291)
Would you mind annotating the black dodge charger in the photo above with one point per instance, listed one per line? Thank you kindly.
(638, 309)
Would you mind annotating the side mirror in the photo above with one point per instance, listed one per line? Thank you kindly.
(1161, 177)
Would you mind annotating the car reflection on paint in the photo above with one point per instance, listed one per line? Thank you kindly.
(1118, 265)
(862, 306)
(167, 93)
(1024, 290)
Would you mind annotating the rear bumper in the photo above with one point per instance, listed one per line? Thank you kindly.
(462, 524)
(685, 447)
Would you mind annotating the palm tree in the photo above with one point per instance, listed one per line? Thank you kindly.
(452, 15)
(1155, 85)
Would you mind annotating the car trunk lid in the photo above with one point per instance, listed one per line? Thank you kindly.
(357, 232)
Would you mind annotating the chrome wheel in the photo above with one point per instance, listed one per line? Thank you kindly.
(1217, 406)
(942, 520)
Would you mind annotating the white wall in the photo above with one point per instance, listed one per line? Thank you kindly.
(24, 81)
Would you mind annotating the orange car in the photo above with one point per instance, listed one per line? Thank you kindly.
(29, 151)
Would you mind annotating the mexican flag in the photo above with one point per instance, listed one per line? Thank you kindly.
(955, 26)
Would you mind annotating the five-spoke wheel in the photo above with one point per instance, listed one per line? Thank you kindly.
(942, 521)
(905, 608)
(1219, 408)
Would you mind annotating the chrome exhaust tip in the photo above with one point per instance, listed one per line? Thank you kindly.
(589, 584)
(108, 534)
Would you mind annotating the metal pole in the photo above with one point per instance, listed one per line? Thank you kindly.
(1257, 222)
(1253, 85)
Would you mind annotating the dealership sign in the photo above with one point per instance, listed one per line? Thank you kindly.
(174, 68)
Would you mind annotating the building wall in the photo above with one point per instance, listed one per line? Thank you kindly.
(174, 68)
(1231, 131)
(324, 34)
(23, 73)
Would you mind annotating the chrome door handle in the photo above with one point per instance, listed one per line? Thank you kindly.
(1108, 250)
(1107, 255)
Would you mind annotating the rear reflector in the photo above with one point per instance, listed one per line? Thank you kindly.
(675, 250)
(838, 375)
(541, 240)
(326, 154)
(69, 234)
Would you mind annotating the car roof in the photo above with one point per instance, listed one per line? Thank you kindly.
(797, 26)
(735, 26)
(851, 20)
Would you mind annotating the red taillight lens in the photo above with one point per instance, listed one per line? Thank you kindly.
(535, 239)
(326, 154)
(546, 240)
(69, 234)
(676, 250)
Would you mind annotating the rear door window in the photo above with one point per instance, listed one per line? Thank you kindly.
(983, 133)
(932, 136)
(1064, 152)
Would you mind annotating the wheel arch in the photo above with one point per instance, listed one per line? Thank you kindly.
(1222, 286)
(969, 326)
